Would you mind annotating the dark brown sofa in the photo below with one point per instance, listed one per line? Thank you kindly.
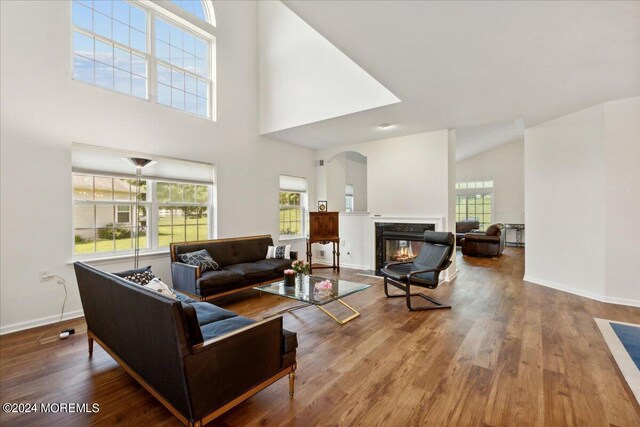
(463, 227)
(197, 359)
(487, 244)
(242, 262)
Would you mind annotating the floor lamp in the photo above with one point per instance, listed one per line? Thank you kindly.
(139, 163)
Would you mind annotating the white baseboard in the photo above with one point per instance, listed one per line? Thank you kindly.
(21, 326)
(582, 293)
(327, 261)
(452, 277)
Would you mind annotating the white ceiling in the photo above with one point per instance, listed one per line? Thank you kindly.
(472, 140)
(467, 64)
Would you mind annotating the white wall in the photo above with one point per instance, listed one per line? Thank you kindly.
(622, 199)
(44, 111)
(582, 200)
(344, 168)
(407, 176)
(505, 166)
(304, 78)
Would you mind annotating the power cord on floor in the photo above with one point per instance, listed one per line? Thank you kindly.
(62, 282)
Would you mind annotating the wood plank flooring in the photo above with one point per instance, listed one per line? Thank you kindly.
(508, 353)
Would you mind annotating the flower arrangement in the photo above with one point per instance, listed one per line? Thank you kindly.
(289, 271)
(325, 286)
(300, 267)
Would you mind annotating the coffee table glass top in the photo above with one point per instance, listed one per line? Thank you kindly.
(307, 292)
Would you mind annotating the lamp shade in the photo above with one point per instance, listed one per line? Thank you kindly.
(139, 162)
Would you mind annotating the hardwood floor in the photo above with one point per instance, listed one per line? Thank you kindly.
(508, 353)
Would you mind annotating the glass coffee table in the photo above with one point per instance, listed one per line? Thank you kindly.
(305, 291)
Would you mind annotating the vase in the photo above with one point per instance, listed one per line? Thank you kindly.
(300, 280)
(289, 280)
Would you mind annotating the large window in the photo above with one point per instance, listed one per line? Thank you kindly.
(348, 198)
(293, 207)
(176, 202)
(474, 201)
(104, 209)
(142, 50)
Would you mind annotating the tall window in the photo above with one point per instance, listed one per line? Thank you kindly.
(183, 212)
(348, 198)
(474, 201)
(142, 50)
(293, 206)
(175, 204)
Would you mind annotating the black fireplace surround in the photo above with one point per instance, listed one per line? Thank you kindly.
(397, 231)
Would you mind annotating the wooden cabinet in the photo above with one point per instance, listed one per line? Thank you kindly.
(324, 229)
(323, 226)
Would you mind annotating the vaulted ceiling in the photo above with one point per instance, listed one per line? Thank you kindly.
(468, 64)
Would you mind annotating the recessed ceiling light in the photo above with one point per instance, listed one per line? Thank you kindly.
(385, 125)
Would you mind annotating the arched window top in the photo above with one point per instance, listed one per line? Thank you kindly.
(201, 9)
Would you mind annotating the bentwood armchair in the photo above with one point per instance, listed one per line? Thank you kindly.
(424, 271)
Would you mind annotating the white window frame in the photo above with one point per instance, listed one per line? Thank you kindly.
(152, 204)
(181, 19)
(475, 192)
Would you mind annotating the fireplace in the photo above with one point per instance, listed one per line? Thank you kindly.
(399, 242)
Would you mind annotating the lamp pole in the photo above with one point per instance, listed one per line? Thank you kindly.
(139, 163)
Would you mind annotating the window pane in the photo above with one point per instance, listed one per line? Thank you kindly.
(163, 51)
(163, 192)
(162, 30)
(82, 187)
(103, 7)
(82, 69)
(177, 99)
(190, 193)
(139, 86)
(138, 40)
(103, 188)
(104, 75)
(82, 16)
(122, 59)
(102, 25)
(164, 94)
(191, 103)
(202, 194)
(177, 192)
(122, 81)
(104, 52)
(121, 33)
(83, 45)
(190, 84)
(121, 12)
(177, 79)
(138, 19)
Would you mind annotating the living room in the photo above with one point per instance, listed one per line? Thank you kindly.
(385, 112)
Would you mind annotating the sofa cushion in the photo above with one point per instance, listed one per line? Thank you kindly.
(209, 313)
(219, 280)
(215, 329)
(141, 276)
(251, 271)
(200, 258)
(278, 265)
(289, 340)
(279, 252)
(184, 298)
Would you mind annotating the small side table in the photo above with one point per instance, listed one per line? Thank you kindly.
(519, 229)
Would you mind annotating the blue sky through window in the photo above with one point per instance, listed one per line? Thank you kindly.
(194, 7)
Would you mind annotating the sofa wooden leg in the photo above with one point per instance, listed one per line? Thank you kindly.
(292, 379)
(90, 346)
(197, 423)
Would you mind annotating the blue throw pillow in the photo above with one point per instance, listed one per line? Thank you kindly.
(201, 259)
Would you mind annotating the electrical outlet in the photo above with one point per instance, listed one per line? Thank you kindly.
(343, 242)
(45, 275)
